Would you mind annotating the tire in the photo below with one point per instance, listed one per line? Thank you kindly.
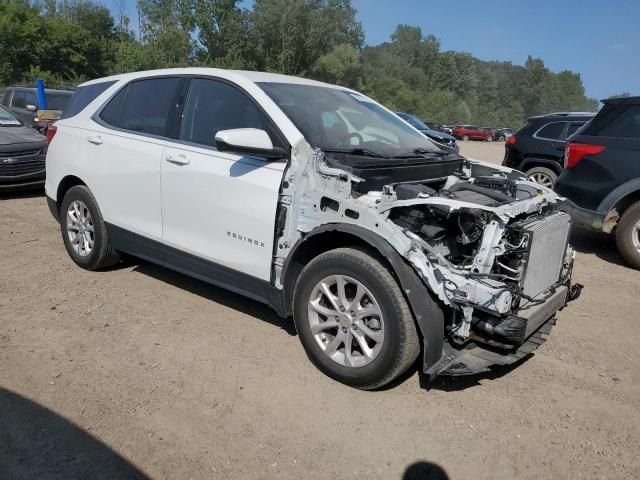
(465, 137)
(84, 206)
(395, 345)
(542, 175)
(502, 138)
(489, 139)
(628, 235)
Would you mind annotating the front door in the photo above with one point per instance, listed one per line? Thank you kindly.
(220, 206)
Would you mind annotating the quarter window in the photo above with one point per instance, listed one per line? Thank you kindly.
(83, 96)
(213, 106)
(625, 125)
(573, 128)
(552, 131)
(143, 106)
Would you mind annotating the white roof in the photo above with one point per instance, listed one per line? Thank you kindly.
(234, 75)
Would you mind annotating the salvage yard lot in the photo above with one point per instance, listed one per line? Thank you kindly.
(179, 379)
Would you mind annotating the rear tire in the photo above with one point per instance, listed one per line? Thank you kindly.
(628, 235)
(84, 232)
(465, 137)
(372, 310)
(542, 175)
(489, 139)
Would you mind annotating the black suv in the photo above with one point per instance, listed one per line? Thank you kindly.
(602, 175)
(537, 149)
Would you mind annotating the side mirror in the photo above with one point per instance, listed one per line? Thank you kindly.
(32, 108)
(251, 141)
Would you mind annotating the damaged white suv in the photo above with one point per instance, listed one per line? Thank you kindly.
(318, 201)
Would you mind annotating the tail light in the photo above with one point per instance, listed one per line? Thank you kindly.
(575, 152)
(51, 132)
(511, 140)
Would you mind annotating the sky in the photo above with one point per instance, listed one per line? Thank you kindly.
(599, 39)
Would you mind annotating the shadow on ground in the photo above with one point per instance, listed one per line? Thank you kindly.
(21, 193)
(601, 245)
(425, 471)
(36, 443)
(215, 294)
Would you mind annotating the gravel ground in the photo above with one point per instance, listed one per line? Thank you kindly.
(138, 371)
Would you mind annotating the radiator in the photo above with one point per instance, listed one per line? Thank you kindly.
(547, 247)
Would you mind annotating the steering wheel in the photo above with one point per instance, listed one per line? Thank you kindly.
(353, 135)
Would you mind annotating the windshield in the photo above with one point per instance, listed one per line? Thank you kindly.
(58, 100)
(338, 120)
(6, 119)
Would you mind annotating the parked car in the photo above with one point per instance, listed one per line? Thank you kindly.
(22, 102)
(506, 133)
(321, 203)
(448, 129)
(22, 154)
(438, 127)
(471, 132)
(537, 149)
(601, 178)
(438, 137)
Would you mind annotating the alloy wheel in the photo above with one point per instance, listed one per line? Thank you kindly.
(80, 229)
(346, 321)
(541, 179)
(635, 236)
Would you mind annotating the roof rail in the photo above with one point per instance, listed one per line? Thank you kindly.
(565, 114)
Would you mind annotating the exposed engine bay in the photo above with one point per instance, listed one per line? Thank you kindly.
(491, 245)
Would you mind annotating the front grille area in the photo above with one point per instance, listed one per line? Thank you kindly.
(547, 247)
(21, 167)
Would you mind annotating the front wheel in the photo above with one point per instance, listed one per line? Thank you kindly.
(352, 319)
(465, 137)
(628, 235)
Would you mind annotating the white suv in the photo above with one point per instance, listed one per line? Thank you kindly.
(323, 204)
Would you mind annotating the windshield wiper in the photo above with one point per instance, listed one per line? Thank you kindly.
(422, 152)
(355, 151)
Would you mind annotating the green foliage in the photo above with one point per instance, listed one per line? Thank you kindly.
(66, 41)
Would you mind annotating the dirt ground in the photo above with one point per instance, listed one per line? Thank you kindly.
(138, 371)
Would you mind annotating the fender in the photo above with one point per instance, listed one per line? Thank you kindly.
(428, 315)
(611, 200)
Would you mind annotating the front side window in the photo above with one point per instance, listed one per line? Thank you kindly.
(552, 131)
(19, 100)
(213, 106)
(338, 120)
(143, 106)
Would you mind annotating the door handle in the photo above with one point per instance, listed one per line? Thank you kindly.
(95, 139)
(177, 159)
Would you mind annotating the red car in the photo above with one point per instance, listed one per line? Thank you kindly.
(471, 132)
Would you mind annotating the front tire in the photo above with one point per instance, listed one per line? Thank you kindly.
(465, 138)
(352, 319)
(628, 235)
(84, 232)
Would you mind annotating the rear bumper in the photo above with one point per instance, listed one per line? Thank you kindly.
(590, 219)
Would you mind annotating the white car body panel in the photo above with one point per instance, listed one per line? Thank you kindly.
(218, 201)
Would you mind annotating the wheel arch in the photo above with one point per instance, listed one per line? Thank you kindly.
(63, 187)
(622, 197)
(532, 162)
(427, 313)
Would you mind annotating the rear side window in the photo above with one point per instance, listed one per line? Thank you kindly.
(626, 124)
(552, 131)
(83, 96)
(213, 106)
(142, 106)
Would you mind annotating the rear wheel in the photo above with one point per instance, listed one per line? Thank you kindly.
(465, 137)
(628, 235)
(489, 138)
(542, 175)
(352, 319)
(84, 232)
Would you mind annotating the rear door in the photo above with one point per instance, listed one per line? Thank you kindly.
(123, 150)
(220, 206)
(551, 140)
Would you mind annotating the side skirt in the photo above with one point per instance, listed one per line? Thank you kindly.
(196, 267)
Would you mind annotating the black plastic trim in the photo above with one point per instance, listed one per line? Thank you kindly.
(196, 267)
